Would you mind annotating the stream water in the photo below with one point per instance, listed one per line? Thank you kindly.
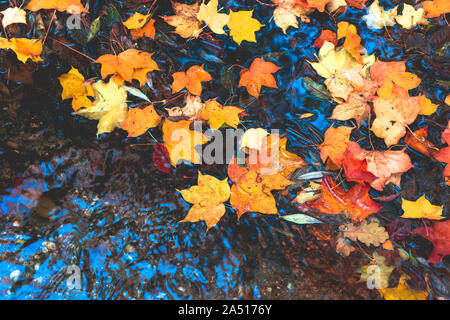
(72, 204)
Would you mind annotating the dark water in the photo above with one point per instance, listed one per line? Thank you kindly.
(71, 200)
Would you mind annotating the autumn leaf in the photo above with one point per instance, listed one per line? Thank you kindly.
(403, 292)
(427, 107)
(421, 209)
(181, 141)
(334, 144)
(13, 15)
(243, 27)
(192, 109)
(127, 65)
(286, 13)
(208, 13)
(207, 198)
(71, 6)
(73, 84)
(325, 35)
(378, 18)
(139, 26)
(352, 41)
(251, 191)
(24, 48)
(253, 138)
(394, 112)
(436, 7)
(411, 17)
(417, 140)
(218, 115)
(191, 80)
(343, 247)
(439, 234)
(356, 107)
(356, 202)
(309, 193)
(386, 166)
(259, 74)
(385, 72)
(443, 155)
(185, 20)
(377, 273)
(109, 106)
(369, 233)
(139, 120)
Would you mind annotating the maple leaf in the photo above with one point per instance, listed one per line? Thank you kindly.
(426, 106)
(251, 191)
(74, 87)
(181, 141)
(218, 115)
(253, 138)
(208, 13)
(191, 80)
(385, 72)
(366, 232)
(356, 202)
(139, 26)
(411, 17)
(352, 41)
(332, 60)
(24, 48)
(377, 273)
(109, 106)
(393, 112)
(443, 155)
(13, 15)
(140, 120)
(378, 18)
(343, 247)
(185, 20)
(127, 65)
(71, 6)
(436, 7)
(386, 166)
(192, 109)
(242, 26)
(259, 74)
(207, 198)
(403, 292)
(325, 35)
(356, 107)
(421, 209)
(439, 234)
(417, 140)
(334, 144)
(286, 13)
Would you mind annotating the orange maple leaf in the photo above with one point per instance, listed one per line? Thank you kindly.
(356, 202)
(139, 27)
(24, 48)
(140, 120)
(181, 141)
(417, 140)
(382, 72)
(335, 144)
(128, 65)
(251, 191)
(259, 74)
(326, 35)
(207, 198)
(71, 6)
(436, 7)
(443, 155)
(190, 80)
(386, 166)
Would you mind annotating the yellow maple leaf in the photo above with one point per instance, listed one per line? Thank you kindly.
(136, 21)
(208, 13)
(411, 17)
(421, 208)
(218, 115)
(426, 106)
(185, 20)
(109, 107)
(403, 292)
(243, 26)
(13, 15)
(74, 87)
(207, 198)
